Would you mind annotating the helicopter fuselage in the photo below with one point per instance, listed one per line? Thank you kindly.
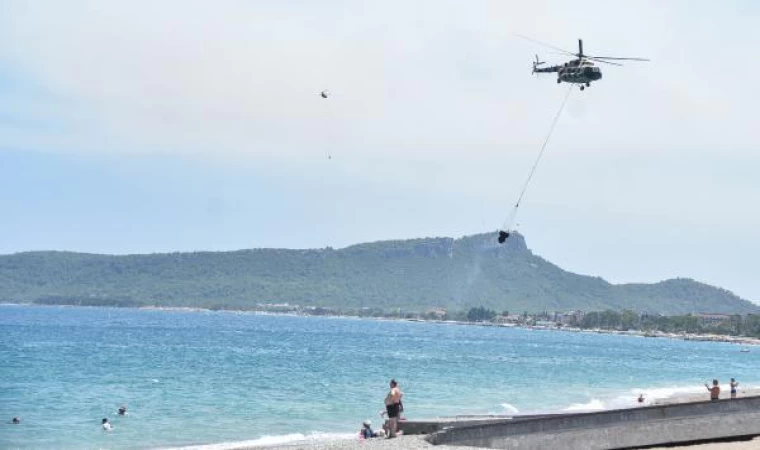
(575, 71)
(582, 75)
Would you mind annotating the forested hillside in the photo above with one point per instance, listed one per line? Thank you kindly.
(412, 274)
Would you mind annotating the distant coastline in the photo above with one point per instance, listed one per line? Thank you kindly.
(704, 337)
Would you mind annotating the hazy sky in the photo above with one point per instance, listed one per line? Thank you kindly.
(143, 126)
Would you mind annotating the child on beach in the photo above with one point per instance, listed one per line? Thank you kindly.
(734, 384)
(366, 431)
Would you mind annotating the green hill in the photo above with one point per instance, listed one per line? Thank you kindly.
(412, 274)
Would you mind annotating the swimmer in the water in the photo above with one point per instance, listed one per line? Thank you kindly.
(106, 426)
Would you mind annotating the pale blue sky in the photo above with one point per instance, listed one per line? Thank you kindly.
(139, 127)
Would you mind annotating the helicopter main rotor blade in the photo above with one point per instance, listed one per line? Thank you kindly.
(618, 59)
(603, 61)
(546, 45)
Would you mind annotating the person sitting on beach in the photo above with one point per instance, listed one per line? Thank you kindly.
(734, 384)
(123, 410)
(366, 431)
(641, 398)
(106, 426)
(714, 391)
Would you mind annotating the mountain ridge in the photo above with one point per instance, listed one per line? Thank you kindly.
(414, 274)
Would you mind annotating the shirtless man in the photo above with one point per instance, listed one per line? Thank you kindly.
(714, 391)
(392, 408)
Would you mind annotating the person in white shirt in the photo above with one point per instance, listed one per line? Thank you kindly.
(106, 426)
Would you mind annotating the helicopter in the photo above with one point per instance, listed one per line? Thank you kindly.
(581, 70)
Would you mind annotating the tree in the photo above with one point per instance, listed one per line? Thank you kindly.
(480, 314)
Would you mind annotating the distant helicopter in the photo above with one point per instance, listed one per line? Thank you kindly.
(581, 70)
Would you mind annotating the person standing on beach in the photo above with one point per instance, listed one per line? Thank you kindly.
(734, 384)
(714, 391)
(392, 407)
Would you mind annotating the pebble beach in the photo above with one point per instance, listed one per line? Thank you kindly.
(418, 442)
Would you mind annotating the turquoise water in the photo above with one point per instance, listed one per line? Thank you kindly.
(216, 379)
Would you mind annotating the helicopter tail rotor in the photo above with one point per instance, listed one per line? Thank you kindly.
(536, 63)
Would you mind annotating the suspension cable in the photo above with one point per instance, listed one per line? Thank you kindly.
(510, 220)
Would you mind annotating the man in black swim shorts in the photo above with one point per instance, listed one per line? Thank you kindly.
(392, 407)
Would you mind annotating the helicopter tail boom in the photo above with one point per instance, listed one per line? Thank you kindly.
(537, 69)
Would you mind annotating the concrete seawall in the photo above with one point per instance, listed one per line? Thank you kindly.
(430, 426)
(617, 429)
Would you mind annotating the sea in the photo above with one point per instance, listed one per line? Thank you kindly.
(219, 380)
